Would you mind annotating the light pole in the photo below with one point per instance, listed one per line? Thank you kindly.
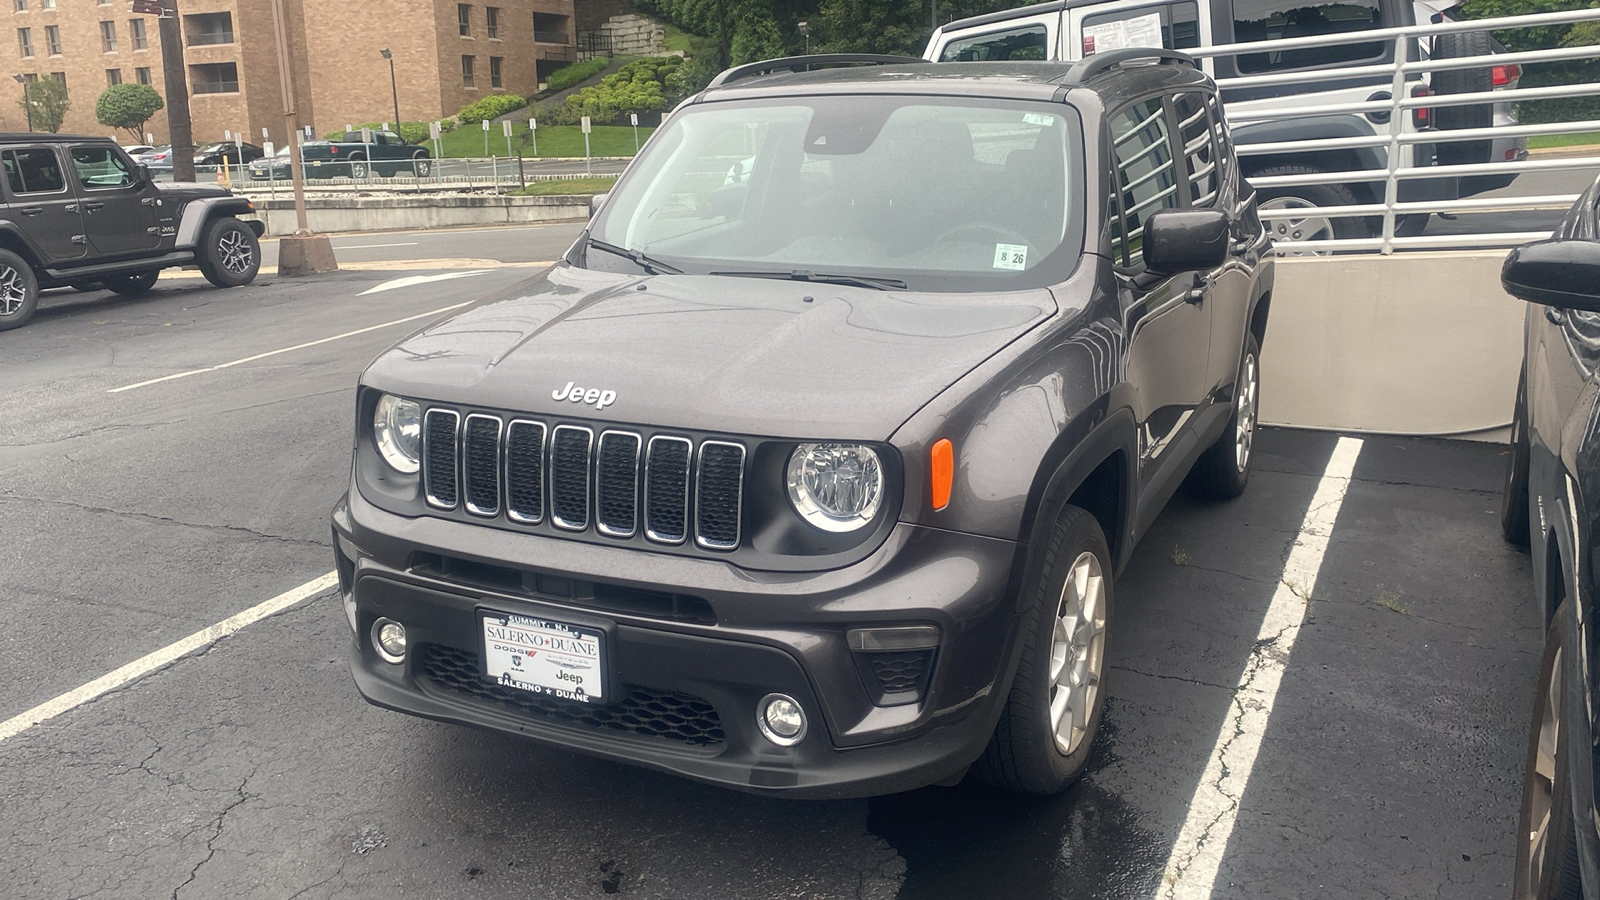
(27, 105)
(805, 32)
(394, 90)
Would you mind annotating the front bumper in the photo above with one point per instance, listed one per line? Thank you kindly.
(689, 672)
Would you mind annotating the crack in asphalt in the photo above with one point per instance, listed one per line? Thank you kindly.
(165, 520)
(1193, 681)
(216, 833)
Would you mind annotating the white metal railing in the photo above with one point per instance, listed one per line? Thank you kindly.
(1397, 137)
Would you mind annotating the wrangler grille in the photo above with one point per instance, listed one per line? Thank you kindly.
(609, 482)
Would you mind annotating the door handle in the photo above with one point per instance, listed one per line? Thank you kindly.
(148, 201)
(93, 207)
(70, 207)
(1555, 316)
(32, 210)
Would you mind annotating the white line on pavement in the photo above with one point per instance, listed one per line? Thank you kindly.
(144, 665)
(227, 365)
(1191, 870)
(371, 246)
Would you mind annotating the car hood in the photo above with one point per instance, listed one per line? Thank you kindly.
(730, 355)
(177, 190)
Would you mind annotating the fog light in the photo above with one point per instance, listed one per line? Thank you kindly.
(389, 637)
(781, 720)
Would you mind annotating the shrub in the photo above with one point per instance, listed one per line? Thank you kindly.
(636, 87)
(490, 107)
(567, 76)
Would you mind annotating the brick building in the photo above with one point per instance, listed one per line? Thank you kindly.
(446, 55)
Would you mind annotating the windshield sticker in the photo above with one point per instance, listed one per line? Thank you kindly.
(1042, 121)
(1011, 256)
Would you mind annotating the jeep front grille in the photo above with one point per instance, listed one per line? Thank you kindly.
(611, 482)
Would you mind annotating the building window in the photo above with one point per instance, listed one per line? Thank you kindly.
(206, 29)
(142, 74)
(464, 18)
(215, 78)
(136, 28)
(549, 28)
(52, 39)
(47, 4)
(467, 79)
(491, 18)
(61, 77)
(113, 76)
(22, 5)
(108, 37)
(25, 41)
(495, 80)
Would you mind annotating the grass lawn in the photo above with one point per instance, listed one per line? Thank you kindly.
(677, 39)
(554, 140)
(1580, 139)
(568, 186)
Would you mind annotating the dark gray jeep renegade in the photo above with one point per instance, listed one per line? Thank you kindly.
(809, 468)
(77, 211)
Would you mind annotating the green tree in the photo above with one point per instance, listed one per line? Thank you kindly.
(45, 103)
(1577, 71)
(128, 106)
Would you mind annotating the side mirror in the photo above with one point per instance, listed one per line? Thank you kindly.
(1184, 240)
(144, 173)
(1555, 273)
(597, 201)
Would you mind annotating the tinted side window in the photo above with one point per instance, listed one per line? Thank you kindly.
(34, 170)
(1027, 42)
(1199, 148)
(1270, 20)
(1179, 25)
(100, 167)
(1145, 177)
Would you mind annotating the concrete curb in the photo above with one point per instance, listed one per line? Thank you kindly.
(1566, 152)
(338, 214)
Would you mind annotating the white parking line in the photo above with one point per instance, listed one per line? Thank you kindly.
(1191, 871)
(371, 246)
(150, 662)
(227, 365)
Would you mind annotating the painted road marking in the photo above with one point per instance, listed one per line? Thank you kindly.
(371, 246)
(337, 337)
(1191, 871)
(413, 280)
(144, 665)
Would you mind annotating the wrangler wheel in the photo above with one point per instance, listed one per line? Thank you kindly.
(19, 291)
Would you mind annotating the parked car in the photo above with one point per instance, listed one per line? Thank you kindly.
(1071, 29)
(388, 154)
(234, 154)
(78, 212)
(817, 482)
(271, 167)
(159, 158)
(1551, 500)
(137, 150)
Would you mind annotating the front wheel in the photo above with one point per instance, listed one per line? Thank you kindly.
(229, 254)
(1547, 846)
(1223, 471)
(19, 291)
(134, 284)
(1041, 744)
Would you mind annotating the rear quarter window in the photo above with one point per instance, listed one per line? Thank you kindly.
(1028, 42)
(1271, 20)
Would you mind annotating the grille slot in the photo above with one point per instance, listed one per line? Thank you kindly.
(681, 718)
(481, 469)
(616, 484)
(439, 451)
(525, 472)
(570, 447)
(666, 489)
(719, 483)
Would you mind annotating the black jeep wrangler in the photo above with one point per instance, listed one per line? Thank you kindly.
(809, 469)
(78, 212)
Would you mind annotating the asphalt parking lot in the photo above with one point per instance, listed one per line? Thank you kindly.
(1385, 760)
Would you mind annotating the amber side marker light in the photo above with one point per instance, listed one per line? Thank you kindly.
(942, 459)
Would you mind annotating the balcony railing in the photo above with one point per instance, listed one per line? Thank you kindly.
(550, 37)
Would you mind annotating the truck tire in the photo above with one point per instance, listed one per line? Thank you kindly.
(19, 291)
(1309, 196)
(132, 284)
(229, 254)
(1462, 81)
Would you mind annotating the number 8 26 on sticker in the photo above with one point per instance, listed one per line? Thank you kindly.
(1011, 256)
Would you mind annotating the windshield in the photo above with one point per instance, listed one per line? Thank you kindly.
(929, 193)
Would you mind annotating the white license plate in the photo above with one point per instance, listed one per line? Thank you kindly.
(544, 657)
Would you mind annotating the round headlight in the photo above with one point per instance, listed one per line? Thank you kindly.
(836, 487)
(397, 430)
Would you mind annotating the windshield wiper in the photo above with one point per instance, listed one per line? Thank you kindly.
(866, 281)
(637, 257)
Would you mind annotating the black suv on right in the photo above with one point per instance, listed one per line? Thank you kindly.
(810, 468)
(78, 212)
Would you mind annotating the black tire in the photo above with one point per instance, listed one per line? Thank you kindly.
(1024, 754)
(1223, 471)
(1514, 498)
(86, 287)
(229, 254)
(1554, 875)
(133, 284)
(1462, 81)
(19, 291)
(1411, 225)
(1307, 196)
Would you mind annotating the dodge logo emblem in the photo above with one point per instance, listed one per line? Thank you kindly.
(600, 399)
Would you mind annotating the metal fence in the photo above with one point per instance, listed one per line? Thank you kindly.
(407, 176)
(1396, 110)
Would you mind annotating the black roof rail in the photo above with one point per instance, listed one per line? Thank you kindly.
(805, 63)
(1090, 66)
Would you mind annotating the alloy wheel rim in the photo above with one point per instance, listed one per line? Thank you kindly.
(1244, 431)
(13, 292)
(1541, 789)
(1310, 227)
(1077, 652)
(235, 252)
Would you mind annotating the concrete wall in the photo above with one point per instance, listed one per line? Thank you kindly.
(1421, 343)
(391, 213)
